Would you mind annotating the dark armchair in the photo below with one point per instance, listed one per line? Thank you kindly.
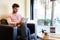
(7, 32)
(31, 26)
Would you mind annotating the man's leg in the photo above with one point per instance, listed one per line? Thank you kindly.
(15, 33)
(28, 33)
(24, 32)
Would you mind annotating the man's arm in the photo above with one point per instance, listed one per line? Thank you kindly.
(20, 21)
(14, 23)
(10, 22)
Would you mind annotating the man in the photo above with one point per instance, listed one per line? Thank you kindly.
(15, 19)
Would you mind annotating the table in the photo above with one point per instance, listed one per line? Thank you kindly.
(52, 36)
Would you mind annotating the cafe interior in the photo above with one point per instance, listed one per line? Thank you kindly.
(42, 17)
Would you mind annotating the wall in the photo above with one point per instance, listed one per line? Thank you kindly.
(5, 7)
(28, 8)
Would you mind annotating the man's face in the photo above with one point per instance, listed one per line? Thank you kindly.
(15, 9)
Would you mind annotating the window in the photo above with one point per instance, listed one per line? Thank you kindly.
(43, 10)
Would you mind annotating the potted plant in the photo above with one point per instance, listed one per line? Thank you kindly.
(46, 21)
(43, 21)
(40, 21)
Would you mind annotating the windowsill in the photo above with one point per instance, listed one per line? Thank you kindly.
(31, 21)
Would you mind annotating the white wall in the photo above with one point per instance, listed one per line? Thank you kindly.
(28, 8)
(5, 7)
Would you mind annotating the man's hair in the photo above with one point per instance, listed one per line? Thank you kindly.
(15, 5)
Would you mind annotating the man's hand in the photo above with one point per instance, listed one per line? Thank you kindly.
(19, 22)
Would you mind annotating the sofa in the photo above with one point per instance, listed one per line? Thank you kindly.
(6, 31)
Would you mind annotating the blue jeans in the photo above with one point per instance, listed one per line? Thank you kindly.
(24, 32)
(15, 33)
